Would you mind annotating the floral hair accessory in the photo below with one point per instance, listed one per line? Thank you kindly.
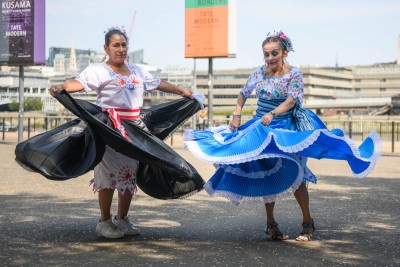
(121, 29)
(284, 39)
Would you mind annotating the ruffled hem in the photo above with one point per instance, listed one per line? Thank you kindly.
(231, 187)
(376, 139)
(253, 175)
(239, 179)
(238, 199)
(303, 146)
(121, 190)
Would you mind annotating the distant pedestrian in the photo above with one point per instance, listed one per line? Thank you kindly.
(265, 158)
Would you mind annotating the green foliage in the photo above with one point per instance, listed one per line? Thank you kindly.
(30, 104)
(13, 106)
(33, 104)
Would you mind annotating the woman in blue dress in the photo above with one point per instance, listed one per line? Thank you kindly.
(265, 158)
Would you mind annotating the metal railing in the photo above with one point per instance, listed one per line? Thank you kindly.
(357, 130)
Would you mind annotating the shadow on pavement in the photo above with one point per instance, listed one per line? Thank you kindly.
(357, 223)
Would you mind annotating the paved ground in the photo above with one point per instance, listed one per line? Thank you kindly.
(49, 223)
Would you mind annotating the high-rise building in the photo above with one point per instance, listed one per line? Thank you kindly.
(136, 57)
(80, 56)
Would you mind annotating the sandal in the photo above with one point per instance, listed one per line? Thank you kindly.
(277, 235)
(305, 235)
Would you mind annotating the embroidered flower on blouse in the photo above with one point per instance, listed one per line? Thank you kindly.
(275, 88)
(130, 82)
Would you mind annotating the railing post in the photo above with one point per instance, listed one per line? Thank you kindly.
(362, 131)
(4, 127)
(29, 128)
(392, 136)
(350, 129)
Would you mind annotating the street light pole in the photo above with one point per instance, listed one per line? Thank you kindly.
(210, 92)
(194, 90)
(21, 105)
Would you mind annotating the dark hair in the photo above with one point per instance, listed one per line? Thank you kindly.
(111, 33)
(274, 39)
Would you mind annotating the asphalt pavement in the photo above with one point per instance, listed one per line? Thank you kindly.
(52, 223)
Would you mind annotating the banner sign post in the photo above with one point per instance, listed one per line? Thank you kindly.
(210, 31)
(22, 32)
(22, 40)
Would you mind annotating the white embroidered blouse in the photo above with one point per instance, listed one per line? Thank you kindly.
(116, 90)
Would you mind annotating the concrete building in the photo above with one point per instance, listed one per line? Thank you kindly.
(372, 89)
(36, 85)
(361, 89)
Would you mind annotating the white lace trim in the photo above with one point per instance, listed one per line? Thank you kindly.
(251, 155)
(300, 146)
(376, 139)
(237, 199)
(253, 175)
(218, 137)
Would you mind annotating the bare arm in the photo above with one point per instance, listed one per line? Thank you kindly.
(235, 122)
(71, 86)
(171, 88)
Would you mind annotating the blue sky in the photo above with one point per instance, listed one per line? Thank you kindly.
(355, 32)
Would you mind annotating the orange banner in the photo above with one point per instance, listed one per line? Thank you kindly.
(206, 32)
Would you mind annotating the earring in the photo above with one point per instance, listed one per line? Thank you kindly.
(104, 58)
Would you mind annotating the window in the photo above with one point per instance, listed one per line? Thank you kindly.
(382, 89)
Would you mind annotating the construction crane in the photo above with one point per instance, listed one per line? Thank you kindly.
(131, 27)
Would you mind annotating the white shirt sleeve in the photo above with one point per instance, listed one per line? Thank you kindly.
(89, 79)
(150, 81)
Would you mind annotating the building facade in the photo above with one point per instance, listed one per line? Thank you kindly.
(369, 89)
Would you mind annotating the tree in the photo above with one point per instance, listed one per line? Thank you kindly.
(30, 104)
(33, 104)
(13, 106)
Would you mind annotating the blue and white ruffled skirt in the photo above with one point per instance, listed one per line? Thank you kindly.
(265, 163)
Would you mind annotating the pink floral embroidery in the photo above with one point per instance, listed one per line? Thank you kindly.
(275, 88)
(128, 82)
